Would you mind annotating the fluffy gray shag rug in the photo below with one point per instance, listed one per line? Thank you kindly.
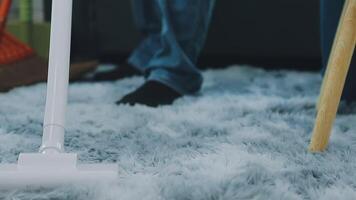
(243, 137)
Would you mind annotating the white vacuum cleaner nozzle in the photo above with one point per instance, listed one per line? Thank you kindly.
(52, 167)
(53, 170)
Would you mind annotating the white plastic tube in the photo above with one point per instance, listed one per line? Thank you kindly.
(52, 167)
(58, 77)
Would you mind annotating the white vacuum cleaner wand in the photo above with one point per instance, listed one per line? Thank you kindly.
(51, 166)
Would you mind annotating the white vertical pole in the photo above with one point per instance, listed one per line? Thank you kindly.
(58, 77)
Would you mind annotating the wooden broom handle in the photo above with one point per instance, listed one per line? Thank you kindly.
(338, 66)
(342, 16)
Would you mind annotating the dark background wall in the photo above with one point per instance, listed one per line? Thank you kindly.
(273, 33)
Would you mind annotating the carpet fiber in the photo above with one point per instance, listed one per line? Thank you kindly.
(243, 137)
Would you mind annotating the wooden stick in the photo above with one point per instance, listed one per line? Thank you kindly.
(339, 63)
(342, 17)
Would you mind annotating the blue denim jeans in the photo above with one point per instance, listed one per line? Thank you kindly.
(330, 11)
(174, 34)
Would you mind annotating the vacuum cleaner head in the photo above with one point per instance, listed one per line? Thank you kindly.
(51, 167)
(39, 170)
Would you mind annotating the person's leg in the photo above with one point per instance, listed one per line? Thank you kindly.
(147, 20)
(330, 11)
(184, 27)
(169, 52)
